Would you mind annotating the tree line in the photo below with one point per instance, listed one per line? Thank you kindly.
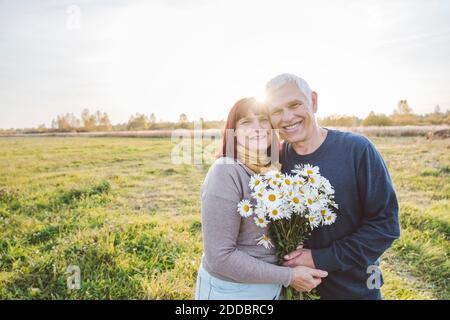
(99, 121)
(403, 115)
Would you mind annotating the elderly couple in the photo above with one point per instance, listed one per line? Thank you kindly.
(338, 259)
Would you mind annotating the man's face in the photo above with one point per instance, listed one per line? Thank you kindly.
(292, 114)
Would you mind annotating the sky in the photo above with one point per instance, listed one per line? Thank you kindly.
(199, 57)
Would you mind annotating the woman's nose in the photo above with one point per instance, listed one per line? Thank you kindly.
(255, 127)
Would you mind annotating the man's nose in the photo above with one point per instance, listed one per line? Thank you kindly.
(287, 117)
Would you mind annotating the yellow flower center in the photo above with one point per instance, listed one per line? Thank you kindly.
(322, 212)
(272, 197)
(310, 201)
(295, 200)
(256, 182)
(311, 179)
(309, 171)
(246, 208)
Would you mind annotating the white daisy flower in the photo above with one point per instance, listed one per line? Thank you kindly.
(258, 195)
(297, 181)
(245, 208)
(265, 241)
(273, 174)
(311, 199)
(287, 181)
(333, 204)
(329, 218)
(297, 201)
(272, 198)
(310, 170)
(257, 182)
(323, 211)
(322, 200)
(326, 186)
(286, 212)
(273, 178)
(303, 189)
(274, 184)
(315, 180)
(314, 220)
(297, 169)
(275, 214)
(261, 221)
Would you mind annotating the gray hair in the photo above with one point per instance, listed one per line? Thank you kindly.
(285, 78)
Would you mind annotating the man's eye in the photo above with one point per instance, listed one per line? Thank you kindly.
(276, 112)
(294, 106)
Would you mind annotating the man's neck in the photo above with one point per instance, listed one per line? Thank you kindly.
(312, 144)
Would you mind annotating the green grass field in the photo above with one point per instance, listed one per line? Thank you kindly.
(130, 219)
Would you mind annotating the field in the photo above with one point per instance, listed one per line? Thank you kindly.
(130, 219)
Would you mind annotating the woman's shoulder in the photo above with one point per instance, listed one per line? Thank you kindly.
(225, 160)
(225, 167)
(224, 175)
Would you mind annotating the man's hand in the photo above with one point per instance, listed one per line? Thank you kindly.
(299, 257)
(305, 279)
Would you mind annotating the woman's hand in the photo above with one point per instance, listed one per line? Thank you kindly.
(305, 279)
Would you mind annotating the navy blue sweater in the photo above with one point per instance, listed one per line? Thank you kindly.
(367, 219)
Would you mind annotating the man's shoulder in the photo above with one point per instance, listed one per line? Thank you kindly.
(340, 137)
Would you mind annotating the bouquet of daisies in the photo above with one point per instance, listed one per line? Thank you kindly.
(291, 205)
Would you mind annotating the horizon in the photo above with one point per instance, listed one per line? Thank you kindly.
(199, 58)
(162, 121)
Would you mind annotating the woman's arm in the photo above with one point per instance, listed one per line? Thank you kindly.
(220, 227)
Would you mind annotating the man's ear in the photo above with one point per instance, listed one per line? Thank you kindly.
(314, 101)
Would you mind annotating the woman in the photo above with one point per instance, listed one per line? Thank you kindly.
(233, 265)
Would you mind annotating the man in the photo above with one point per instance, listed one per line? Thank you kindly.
(367, 219)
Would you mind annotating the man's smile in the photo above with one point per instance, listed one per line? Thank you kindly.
(293, 126)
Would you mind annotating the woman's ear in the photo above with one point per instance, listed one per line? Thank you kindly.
(314, 101)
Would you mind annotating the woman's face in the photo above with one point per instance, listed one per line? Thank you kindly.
(253, 132)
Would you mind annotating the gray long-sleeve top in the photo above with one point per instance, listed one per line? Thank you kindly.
(231, 252)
